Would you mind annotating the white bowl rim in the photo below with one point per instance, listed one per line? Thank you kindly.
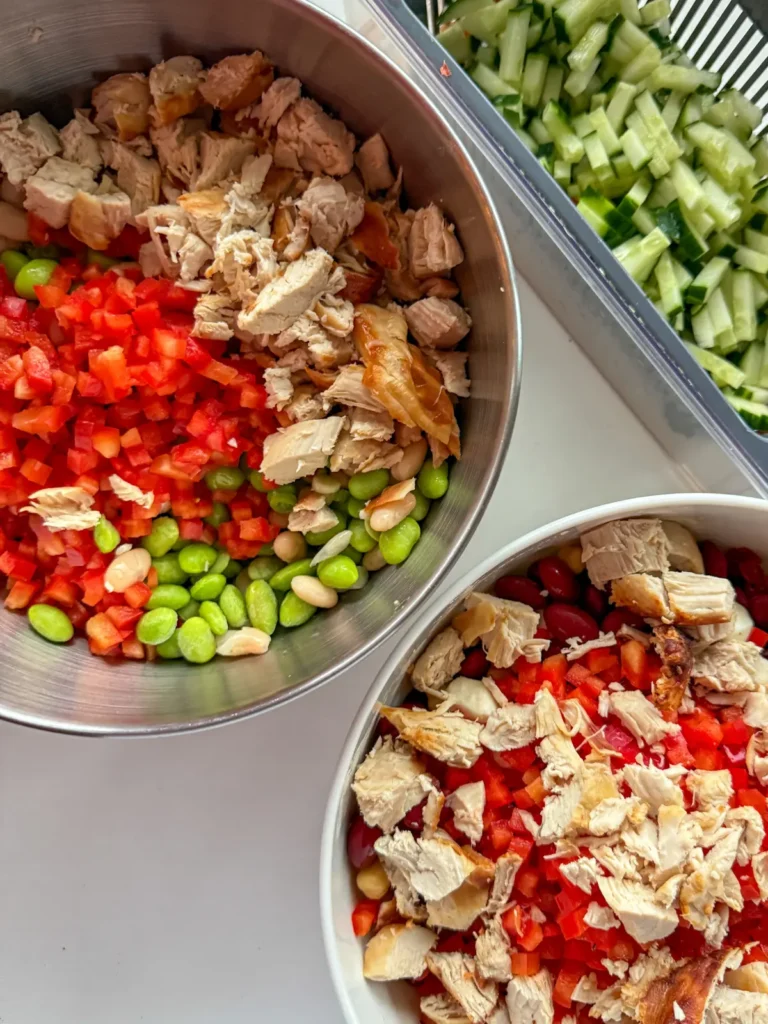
(613, 510)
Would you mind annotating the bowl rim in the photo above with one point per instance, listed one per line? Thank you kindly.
(413, 641)
(511, 301)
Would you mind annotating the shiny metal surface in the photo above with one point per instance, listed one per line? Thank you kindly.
(728, 520)
(52, 54)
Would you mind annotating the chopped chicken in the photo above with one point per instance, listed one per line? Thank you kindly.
(439, 662)
(586, 990)
(602, 918)
(205, 210)
(79, 143)
(679, 834)
(373, 161)
(281, 94)
(616, 968)
(63, 508)
(468, 803)
(688, 987)
(309, 139)
(459, 909)
(471, 697)
(437, 323)
(247, 262)
(305, 405)
(25, 145)
(624, 547)
(388, 783)
(220, 156)
(96, 220)
(432, 245)
(641, 717)
(760, 871)
(731, 1006)
(442, 1009)
(712, 792)
(448, 737)
(50, 192)
(505, 873)
(512, 632)
(237, 81)
(705, 885)
(729, 666)
(753, 833)
(460, 977)
(277, 381)
(333, 213)
(510, 727)
(529, 999)
(583, 873)
(129, 492)
(643, 594)
(634, 905)
(178, 149)
(310, 514)
(492, 952)
(559, 812)
(610, 815)
(348, 389)
(214, 318)
(757, 756)
(698, 600)
(561, 758)
(655, 786)
(354, 456)
(756, 710)
(642, 840)
(300, 450)
(174, 85)
(575, 648)
(433, 867)
(684, 554)
(674, 649)
(137, 176)
(398, 951)
(453, 368)
(548, 717)
(121, 106)
(618, 861)
(285, 298)
(370, 426)
(752, 977)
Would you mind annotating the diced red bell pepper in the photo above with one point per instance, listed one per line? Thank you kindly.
(16, 566)
(35, 471)
(701, 729)
(568, 978)
(518, 760)
(633, 663)
(62, 591)
(42, 419)
(527, 880)
(14, 307)
(622, 741)
(102, 633)
(137, 595)
(21, 595)
(572, 924)
(364, 917)
(678, 751)
(602, 659)
(525, 964)
(753, 798)
(553, 675)
(736, 732)
(758, 637)
(38, 370)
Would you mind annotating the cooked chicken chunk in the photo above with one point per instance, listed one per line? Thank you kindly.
(458, 910)
(472, 697)
(237, 81)
(205, 211)
(174, 85)
(730, 1006)
(311, 514)
(511, 630)
(284, 300)
(643, 594)
(276, 100)
(389, 783)
(437, 323)
(684, 554)
(370, 426)
(300, 450)
(372, 160)
(712, 792)
(446, 736)
(50, 192)
(137, 176)
(453, 369)
(549, 719)
(432, 245)
(529, 998)
(751, 977)
(655, 786)
(602, 918)
(642, 718)
(277, 381)
(703, 887)
(492, 952)
(460, 977)
(333, 213)
(398, 951)
(121, 106)
(97, 219)
(624, 547)
(505, 873)
(510, 727)
(562, 761)
(178, 149)
(79, 143)
(214, 317)
(129, 492)
(583, 872)
(730, 666)
(439, 662)
(247, 262)
(468, 803)
(442, 1009)
(25, 145)
(63, 508)
(434, 867)
(698, 600)
(674, 649)
(220, 157)
(634, 905)
(683, 994)
(309, 139)
(354, 456)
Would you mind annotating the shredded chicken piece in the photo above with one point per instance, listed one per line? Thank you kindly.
(389, 783)
(129, 492)
(674, 649)
(446, 736)
(459, 975)
(63, 508)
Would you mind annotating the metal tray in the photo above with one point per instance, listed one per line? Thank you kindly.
(571, 268)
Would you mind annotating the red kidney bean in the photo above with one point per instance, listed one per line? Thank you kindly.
(619, 617)
(558, 579)
(758, 606)
(414, 819)
(360, 840)
(568, 620)
(475, 665)
(519, 588)
(596, 601)
(737, 558)
(753, 573)
(715, 562)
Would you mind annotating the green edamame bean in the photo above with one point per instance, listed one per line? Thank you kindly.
(355, 507)
(208, 587)
(168, 595)
(232, 604)
(396, 544)
(232, 569)
(196, 641)
(360, 540)
(197, 557)
(215, 617)
(340, 499)
(256, 480)
(318, 539)
(356, 556)
(168, 569)
(264, 568)
(266, 551)
(219, 514)
(13, 261)
(189, 610)
(432, 481)
(420, 509)
(32, 273)
(282, 578)
(365, 486)
(224, 478)
(242, 580)
(156, 626)
(261, 606)
(165, 533)
(282, 499)
(100, 259)
(221, 563)
(50, 622)
(295, 612)
(180, 543)
(105, 536)
(338, 572)
(169, 648)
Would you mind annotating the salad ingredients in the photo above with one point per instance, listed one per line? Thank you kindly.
(206, 373)
(564, 823)
(667, 168)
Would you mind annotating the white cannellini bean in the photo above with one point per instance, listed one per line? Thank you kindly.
(127, 569)
(247, 640)
(389, 515)
(411, 462)
(374, 560)
(289, 546)
(334, 547)
(326, 483)
(311, 590)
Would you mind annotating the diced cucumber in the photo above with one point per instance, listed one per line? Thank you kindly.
(633, 37)
(577, 81)
(512, 45)
(538, 130)
(752, 365)
(588, 47)
(751, 259)
(723, 372)
(703, 331)
(655, 10)
(760, 153)
(562, 173)
(755, 394)
(705, 282)
(568, 144)
(681, 79)
(486, 54)
(648, 109)
(553, 84)
(582, 125)
(689, 190)
(534, 77)
(490, 83)
(755, 413)
(488, 23)
(642, 65)
(719, 204)
(744, 313)
(634, 149)
(672, 109)
(669, 289)
(756, 240)
(573, 17)
(595, 208)
(460, 8)
(599, 120)
(620, 104)
(640, 255)
(722, 322)
(630, 10)
(456, 41)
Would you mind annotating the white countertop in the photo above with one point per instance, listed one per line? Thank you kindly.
(175, 880)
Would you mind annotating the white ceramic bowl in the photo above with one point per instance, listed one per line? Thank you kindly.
(729, 521)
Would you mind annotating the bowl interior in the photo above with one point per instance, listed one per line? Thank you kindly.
(728, 521)
(52, 55)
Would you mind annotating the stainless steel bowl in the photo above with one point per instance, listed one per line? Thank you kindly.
(52, 54)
